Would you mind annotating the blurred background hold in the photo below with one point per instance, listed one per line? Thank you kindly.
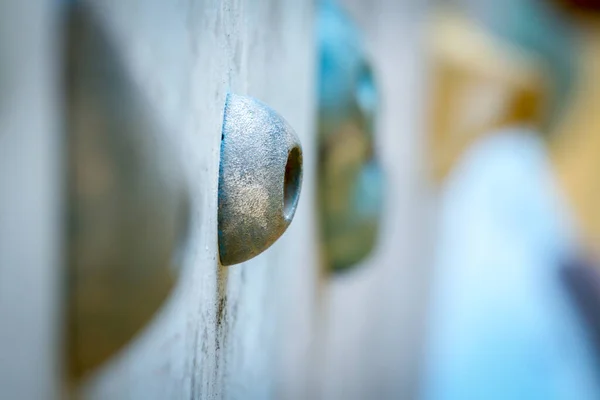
(127, 200)
(350, 180)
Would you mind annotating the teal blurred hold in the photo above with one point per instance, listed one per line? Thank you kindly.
(350, 180)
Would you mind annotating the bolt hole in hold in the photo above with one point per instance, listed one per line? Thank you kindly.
(291, 182)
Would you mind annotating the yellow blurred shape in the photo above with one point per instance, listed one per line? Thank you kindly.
(575, 145)
(477, 82)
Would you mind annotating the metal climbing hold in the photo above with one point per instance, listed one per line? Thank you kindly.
(260, 176)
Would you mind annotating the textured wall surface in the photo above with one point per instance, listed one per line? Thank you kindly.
(231, 332)
(252, 331)
(30, 188)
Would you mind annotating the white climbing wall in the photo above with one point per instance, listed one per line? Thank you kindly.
(260, 330)
(30, 202)
(240, 332)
